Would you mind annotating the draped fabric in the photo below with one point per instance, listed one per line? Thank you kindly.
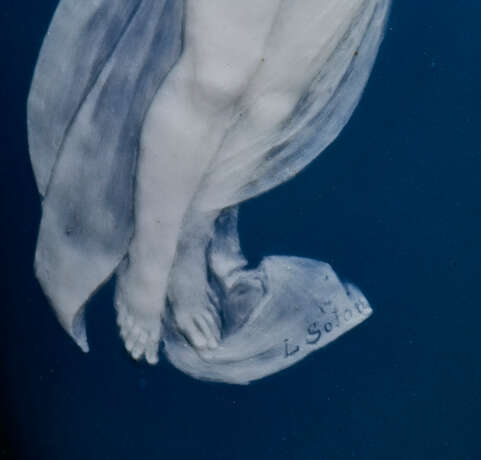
(99, 69)
(321, 113)
(301, 307)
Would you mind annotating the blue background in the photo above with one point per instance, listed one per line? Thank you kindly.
(394, 205)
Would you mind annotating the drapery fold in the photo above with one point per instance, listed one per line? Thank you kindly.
(99, 69)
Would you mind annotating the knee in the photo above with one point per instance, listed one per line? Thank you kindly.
(270, 109)
(219, 85)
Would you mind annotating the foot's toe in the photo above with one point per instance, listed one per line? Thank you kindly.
(151, 352)
(192, 333)
(121, 317)
(122, 322)
(199, 331)
(204, 329)
(141, 343)
(209, 329)
(213, 321)
(138, 349)
(130, 341)
(140, 333)
(196, 338)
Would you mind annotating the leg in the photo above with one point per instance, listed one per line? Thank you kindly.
(303, 38)
(167, 175)
(227, 40)
(183, 129)
(194, 303)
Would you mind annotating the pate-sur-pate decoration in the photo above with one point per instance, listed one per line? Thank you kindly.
(149, 122)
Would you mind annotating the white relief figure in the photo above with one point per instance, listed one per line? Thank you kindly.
(149, 122)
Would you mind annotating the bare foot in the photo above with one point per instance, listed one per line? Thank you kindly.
(141, 335)
(140, 328)
(197, 319)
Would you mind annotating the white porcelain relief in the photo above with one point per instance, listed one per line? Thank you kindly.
(149, 122)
